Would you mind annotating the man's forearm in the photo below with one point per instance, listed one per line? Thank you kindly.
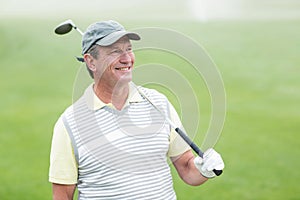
(63, 192)
(186, 169)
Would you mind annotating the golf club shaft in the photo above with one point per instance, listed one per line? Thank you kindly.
(194, 147)
(180, 132)
(77, 29)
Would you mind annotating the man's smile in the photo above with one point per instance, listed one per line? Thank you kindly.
(123, 68)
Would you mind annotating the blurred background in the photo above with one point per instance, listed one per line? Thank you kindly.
(202, 10)
(255, 45)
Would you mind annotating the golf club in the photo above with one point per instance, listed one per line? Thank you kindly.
(66, 26)
(180, 132)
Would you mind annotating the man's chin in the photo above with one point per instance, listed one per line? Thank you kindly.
(124, 79)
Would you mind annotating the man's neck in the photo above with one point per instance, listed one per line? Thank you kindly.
(117, 95)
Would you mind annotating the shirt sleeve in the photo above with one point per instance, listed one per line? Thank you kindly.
(177, 145)
(63, 165)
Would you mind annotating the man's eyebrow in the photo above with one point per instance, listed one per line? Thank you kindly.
(115, 46)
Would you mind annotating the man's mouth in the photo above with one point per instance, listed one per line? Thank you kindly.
(123, 68)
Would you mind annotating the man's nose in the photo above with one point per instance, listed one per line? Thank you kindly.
(125, 57)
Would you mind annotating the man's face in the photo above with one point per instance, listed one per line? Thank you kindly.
(115, 62)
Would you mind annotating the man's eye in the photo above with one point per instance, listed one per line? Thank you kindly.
(116, 51)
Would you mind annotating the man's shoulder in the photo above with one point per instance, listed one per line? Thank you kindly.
(155, 97)
(152, 93)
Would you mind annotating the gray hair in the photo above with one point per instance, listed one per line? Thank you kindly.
(94, 52)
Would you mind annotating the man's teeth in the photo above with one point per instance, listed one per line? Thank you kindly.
(123, 68)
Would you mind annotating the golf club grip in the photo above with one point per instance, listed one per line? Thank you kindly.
(217, 172)
(194, 147)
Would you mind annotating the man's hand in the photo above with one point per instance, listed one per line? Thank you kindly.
(211, 160)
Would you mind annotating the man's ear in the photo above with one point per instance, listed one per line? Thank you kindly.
(90, 61)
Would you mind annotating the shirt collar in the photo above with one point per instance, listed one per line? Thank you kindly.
(94, 103)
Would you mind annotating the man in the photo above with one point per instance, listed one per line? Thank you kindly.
(112, 143)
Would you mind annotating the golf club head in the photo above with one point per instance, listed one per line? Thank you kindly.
(64, 27)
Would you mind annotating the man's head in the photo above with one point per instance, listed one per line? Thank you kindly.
(107, 51)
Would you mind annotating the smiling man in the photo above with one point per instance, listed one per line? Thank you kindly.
(112, 143)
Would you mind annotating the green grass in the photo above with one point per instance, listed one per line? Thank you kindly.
(260, 142)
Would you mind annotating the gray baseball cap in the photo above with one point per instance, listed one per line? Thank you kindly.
(105, 33)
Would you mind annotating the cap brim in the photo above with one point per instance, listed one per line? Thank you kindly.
(115, 36)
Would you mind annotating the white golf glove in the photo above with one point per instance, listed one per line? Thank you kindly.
(211, 160)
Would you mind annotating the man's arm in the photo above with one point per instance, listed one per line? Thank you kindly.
(186, 169)
(63, 167)
(63, 192)
(195, 171)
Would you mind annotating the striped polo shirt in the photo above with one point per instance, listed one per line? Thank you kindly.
(122, 154)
